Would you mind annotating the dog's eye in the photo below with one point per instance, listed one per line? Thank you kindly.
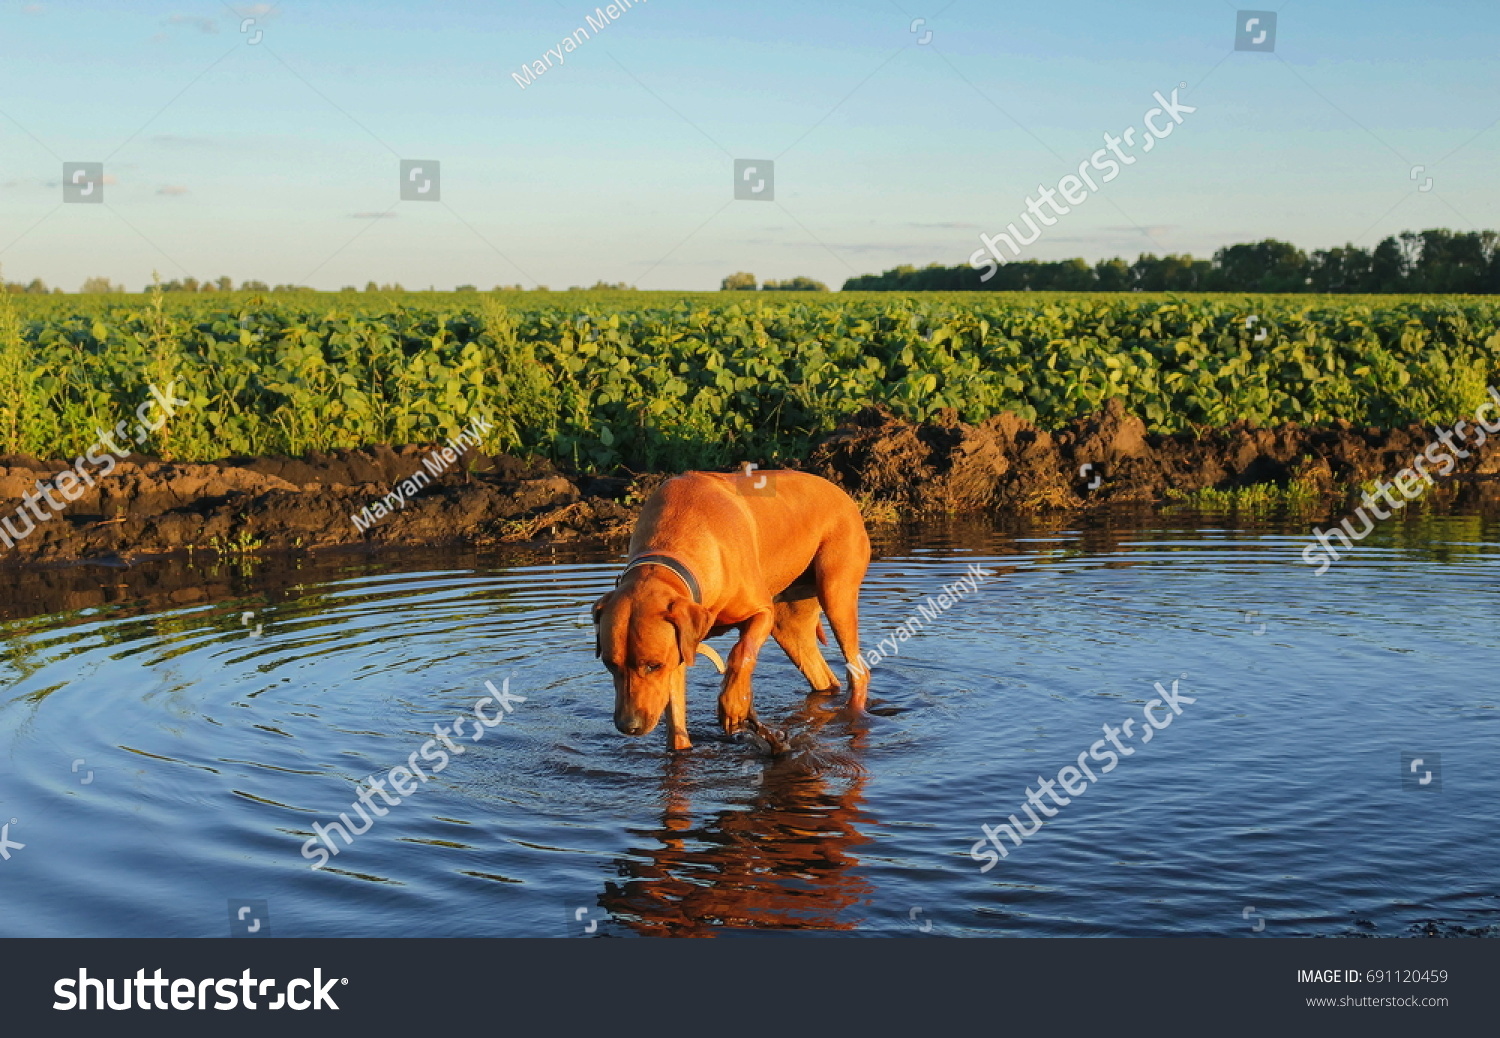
(652, 668)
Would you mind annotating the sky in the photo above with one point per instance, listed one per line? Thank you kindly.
(265, 142)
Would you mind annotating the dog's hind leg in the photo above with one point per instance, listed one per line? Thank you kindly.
(842, 607)
(796, 630)
(840, 572)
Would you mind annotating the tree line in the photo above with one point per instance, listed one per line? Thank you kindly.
(1426, 261)
(745, 282)
(226, 284)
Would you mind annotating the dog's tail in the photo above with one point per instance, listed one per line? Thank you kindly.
(712, 654)
(822, 634)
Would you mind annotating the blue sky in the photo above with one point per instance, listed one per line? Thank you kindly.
(279, 160)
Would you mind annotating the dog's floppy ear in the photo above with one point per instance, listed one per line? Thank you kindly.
(599, 608)
(692, 622)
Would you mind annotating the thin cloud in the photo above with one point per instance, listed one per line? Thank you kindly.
(204, 25)
(175, 190)
(373, 216)
(1150, 230)
(172, 140)
(109, 178)
(870, 247)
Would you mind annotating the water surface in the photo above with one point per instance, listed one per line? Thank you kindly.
(161, 753)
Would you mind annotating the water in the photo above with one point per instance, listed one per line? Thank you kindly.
(161, 753)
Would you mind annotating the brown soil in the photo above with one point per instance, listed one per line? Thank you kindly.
(1007, 463)
(897, 469)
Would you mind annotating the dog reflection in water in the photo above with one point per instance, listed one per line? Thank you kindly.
(785, 863)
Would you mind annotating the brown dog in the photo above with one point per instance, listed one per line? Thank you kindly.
(760, 552)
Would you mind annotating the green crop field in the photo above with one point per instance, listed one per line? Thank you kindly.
(668, 380)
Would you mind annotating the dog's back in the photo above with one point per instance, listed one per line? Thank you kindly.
(786, 518)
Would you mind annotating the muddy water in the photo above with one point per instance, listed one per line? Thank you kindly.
(163, 754)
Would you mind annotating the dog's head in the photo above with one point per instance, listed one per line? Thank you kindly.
(647, 634)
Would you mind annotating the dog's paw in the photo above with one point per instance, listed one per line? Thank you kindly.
(769, 741)
(733, 716)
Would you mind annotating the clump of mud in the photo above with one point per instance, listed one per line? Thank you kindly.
(147, 506)
(1109, 459)
(896, 468)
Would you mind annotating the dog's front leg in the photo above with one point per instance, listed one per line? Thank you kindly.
(736, 699)
(677, 736)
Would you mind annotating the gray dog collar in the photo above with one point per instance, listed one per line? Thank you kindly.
(670, 563)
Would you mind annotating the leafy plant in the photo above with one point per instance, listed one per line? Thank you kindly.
(607, 379)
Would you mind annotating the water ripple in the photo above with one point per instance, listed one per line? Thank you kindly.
(214, 741)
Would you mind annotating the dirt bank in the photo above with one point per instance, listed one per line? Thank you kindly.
(1108, 459)
(897, 469)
